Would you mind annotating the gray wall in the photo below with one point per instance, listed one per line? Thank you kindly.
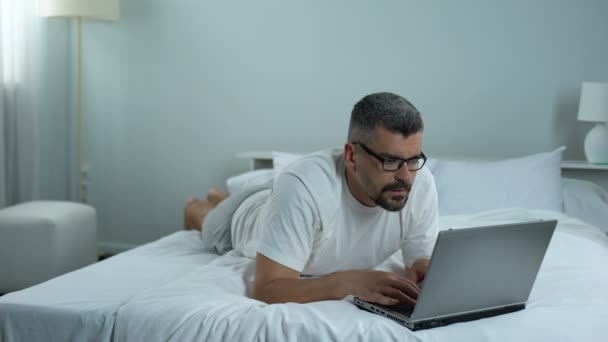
(176, 88)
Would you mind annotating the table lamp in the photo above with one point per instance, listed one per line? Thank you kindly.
(78, 9)
(593, 107)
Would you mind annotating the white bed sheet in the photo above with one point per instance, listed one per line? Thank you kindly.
(82, 305)
(569, 301)
(173, 290)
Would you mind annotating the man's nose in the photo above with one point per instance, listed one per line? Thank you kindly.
(404, 174)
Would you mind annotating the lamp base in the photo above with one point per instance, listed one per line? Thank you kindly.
(596, 144)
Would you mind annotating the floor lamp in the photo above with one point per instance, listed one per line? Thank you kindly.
(78, 9)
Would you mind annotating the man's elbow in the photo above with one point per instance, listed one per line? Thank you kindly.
(261, 293)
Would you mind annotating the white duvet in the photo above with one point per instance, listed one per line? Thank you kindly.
(203, 297)
(569, 301)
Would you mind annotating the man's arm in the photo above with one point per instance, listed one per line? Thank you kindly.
(275, 283)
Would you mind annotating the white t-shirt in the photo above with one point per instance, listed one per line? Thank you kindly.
(312, 223)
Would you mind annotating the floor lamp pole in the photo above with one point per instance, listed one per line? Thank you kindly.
(79, 105)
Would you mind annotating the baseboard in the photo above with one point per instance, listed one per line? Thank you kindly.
(108, 247)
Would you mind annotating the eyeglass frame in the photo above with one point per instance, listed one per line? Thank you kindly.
(401, 160)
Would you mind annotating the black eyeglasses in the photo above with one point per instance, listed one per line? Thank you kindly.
(394, 164)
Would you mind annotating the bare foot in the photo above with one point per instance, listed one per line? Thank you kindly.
(195, 211)
(215, 196)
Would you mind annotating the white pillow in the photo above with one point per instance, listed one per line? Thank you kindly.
(532, 182)
(237, 183)
(280, 160)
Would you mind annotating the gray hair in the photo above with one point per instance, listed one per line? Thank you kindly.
(388, 110)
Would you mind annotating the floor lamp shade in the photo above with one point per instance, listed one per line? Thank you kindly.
(94, 9)
(593, 107)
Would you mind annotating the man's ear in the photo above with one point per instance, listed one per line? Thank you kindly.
(349, 156)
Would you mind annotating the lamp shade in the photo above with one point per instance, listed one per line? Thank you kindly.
(95, 9)
(593, 105)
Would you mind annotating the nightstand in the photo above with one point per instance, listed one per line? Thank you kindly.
(582, 169)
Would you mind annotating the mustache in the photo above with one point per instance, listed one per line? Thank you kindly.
(397, 186)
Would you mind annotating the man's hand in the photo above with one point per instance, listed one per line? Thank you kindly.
(417, 272)
(380, 287)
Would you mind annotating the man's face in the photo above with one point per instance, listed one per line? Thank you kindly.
(388, 189)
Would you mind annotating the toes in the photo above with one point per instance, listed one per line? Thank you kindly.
(212, 196)
(213, 192)
(215, 196)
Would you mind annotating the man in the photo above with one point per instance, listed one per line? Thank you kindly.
(336, 214)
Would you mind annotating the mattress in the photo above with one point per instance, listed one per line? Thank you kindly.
(173, 290)
(82, 305)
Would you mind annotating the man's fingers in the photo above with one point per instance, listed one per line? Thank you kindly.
(411, 276)
(406, 286)
(382, 299)
(397, 294)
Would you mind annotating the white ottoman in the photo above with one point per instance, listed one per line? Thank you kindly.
(43, 239)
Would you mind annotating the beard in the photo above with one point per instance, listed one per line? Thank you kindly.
(393, 202)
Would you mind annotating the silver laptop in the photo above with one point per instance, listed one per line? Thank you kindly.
(475, 273)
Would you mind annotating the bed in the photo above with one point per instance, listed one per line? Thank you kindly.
(173, 289)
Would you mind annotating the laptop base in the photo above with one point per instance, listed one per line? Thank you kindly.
(439, 322)
(435, 322)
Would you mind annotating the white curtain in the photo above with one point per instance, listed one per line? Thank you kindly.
(19, 131)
